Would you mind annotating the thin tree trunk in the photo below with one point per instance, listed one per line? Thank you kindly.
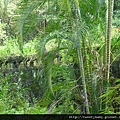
(109, 4)
(83, 78)
(81, 61)
(108, 36)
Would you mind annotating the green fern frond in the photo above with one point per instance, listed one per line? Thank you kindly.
(25, 10)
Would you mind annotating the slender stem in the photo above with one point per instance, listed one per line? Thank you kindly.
(81, 60)
(108, 36)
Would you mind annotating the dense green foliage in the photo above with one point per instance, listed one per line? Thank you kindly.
(68, 40)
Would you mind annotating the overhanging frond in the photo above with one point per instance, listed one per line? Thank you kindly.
(25, 9)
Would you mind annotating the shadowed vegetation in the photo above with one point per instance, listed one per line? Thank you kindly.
(59, 57)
